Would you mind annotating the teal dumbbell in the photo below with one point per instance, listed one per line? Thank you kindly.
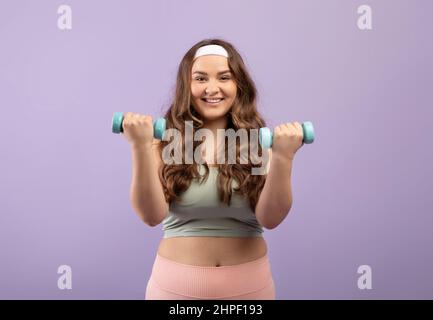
(266, 135)
(159, 125)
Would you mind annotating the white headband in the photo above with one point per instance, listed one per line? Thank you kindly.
(211, 49)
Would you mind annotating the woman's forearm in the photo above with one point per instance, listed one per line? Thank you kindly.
(276, 197)
(146, 194)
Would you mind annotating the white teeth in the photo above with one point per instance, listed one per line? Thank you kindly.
(213, 101)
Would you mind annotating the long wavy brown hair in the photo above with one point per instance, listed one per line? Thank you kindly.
(176, 178)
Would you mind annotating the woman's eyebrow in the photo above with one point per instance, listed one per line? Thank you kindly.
(202, 72)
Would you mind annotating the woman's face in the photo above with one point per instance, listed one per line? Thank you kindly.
(212, 81)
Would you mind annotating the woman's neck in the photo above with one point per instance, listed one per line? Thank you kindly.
(216, 124)
(218, 141)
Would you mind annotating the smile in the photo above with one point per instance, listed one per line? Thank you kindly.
(212, 101)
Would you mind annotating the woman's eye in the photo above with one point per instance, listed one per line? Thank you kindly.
(222, 78)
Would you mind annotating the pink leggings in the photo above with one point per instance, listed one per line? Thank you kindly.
(171, 280)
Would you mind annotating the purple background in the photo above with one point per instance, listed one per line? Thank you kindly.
(360, 191)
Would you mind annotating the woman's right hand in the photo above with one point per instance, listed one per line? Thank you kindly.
(138, 129)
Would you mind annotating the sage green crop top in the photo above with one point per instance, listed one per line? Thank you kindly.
(201, 214)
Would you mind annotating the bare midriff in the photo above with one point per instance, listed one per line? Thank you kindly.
(212, 251)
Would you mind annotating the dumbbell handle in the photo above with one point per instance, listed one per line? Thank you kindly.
(265, 134)
(159, 125)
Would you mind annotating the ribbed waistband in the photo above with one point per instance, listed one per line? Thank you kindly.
(211, 282)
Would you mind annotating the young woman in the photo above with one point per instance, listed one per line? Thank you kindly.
(213, 215)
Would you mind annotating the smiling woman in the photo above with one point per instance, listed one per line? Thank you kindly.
(212, 236)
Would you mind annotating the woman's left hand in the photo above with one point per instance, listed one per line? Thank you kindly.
(287, 139)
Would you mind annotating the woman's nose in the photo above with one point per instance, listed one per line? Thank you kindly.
(211, 92)
(212, 87)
